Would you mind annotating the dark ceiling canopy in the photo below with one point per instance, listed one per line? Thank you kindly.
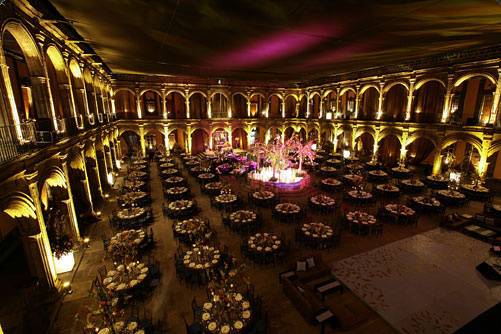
(276, 40)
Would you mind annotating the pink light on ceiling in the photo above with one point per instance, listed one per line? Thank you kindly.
(276, 46)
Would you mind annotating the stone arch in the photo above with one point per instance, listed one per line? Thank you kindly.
(395, 83)
(170, 91)
(468, 76)
(275, 105)
(149, 90)
(390, 131)
(121, 89)
(19, 111)
(423, 81)
(290, 106)
(367, 86)
(365, 129)
(151, 103)
(54, 177)
(175, 103)
(199, 140)
(58, 79)
(125, 103)
(422, 134)
(198, 105)
(347, 89)
(452, 138)
(239, 102)
(219, 102)
(428, 102)
(389, 147)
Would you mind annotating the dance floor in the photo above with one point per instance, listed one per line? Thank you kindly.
(423, 284)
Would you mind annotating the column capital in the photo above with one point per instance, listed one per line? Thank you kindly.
(31, 176)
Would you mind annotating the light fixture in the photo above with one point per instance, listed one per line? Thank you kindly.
(346, 154)
(110, 179)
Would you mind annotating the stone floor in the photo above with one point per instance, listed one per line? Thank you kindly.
(171, 300)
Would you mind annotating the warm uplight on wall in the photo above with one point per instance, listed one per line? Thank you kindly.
(110, 179)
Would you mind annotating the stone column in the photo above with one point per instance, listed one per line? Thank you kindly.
(141, 140)
(187, 104)
(68, 104)
(164, 104)
(448, 99)
(85, 181)
(282, 105)
(95, 170)
(36, 241)
(403, 147)
(308, 105)
(381, 101)
(410, 99)
(10, 96)
(166, 139)
(138, 105)
(357, 103)
(495, 101)
(75, 230)
(248, 108)
(337, 100)
(437, 162)
(209, 108)
(296, 109)
(230, 135)
(189, 147)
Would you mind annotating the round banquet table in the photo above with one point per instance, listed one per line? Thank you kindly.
(138, 167)
(354, 167)
(197, 170)
(192, 163)
(190, 230)
(174, 181)
(138, 175)
(334, 162)
(372, 165)
(401, 212)
(175, 193)
(165, 159)
(426, 204)
(167, 165)
(123, 278)
(134, 185)
(330, 184)
(477, 192)
(181, 208)
(360, 196)
(226, 314)
(126, 244)
(378, 176)
(319, 158)
(400, 172)
(387, 190)
(361, 222)
(352, 179)
(213, 188)
(206, 177)
(451, 197)
(224, 201)
(310, 165)
(412, 185)
(323, 203)
(132, 197)
(437, 182)
(131, 327)
(263, 197)
(317, 235)
(352, 159)
(328, 170)
(169, 172)
(130, 216)
(263, 247)
(243, 220)
(287, 212)
(202, 260)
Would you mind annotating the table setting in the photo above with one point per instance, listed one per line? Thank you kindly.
(437, 181)
(138, 175)
(377, 175)
(330, 183)
(317, 235)
(263, 197)
(132, 198)
(120, 327)
(425, 203)
(400, 172)
(213, 188)
(333, 162)
(124, 245)
(131, 213)
(125, 277)
(226, 313)
(197, 170)
(323, 202)
(243, 220)
(361, 222)
(206, 177)
(174, 181)
(412, 185)
(201, 258)
(401, 212)
(175, 193)
(360, 196)
(387, 190)
(134, 184)
(475, 191)
(191, 230)
(180, 208)
(191, 163)
(328, 170)
(262, 247)
(286, 211)
(225, 200)
(451, 196)
(167, 165)
(166, 173)
(353, 178)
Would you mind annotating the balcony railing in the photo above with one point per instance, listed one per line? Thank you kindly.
(11, 145)
(100, 117)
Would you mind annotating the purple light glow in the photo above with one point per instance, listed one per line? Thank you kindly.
(276, 46)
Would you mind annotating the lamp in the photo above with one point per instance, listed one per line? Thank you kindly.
(346, 154)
